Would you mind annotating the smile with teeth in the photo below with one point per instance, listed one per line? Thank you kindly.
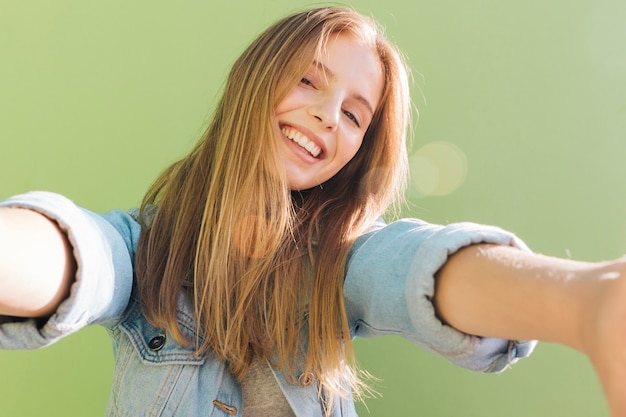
(304, 142)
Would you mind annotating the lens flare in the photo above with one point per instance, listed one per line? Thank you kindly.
(437, 168)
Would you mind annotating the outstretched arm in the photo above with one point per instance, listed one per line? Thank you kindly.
(498, 291)
(36, 264)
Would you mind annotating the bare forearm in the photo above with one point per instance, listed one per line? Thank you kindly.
(499, 291)
(36, 264)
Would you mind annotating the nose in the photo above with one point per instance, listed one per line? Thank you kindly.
(326, 111)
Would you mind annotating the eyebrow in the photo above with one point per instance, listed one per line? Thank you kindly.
(330, 74)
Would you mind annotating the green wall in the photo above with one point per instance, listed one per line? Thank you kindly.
(522, 124)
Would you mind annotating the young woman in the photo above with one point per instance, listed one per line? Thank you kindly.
(237, 287)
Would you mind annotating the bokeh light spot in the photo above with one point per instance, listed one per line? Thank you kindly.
(437, 168)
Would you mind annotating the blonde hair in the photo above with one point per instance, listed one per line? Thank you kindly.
(262, 263)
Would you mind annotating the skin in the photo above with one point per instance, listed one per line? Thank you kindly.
(36, 266)
(332, 107)
(502, 292)
(483, 289)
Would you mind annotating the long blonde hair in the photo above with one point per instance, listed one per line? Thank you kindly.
(262, 263)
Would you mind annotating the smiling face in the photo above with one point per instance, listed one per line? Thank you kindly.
(321, 122)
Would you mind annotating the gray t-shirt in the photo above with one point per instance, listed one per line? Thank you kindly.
(262, 397)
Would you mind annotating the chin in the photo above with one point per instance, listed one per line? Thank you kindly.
(301, 185)
(298, 180)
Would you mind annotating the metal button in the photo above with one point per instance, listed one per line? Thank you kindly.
(157, 342)
(306, 379)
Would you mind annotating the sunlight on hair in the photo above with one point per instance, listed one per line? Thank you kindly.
(371, 181)
(437, 168)
(248, 235)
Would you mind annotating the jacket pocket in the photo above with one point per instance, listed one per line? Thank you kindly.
(156, 376)
(155, 346)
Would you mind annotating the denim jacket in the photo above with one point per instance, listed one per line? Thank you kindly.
(388, 289)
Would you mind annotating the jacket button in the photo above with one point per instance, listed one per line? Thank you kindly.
(306, 379)
(157, 342)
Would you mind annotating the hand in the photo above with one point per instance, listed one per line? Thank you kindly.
(604, 334)
(501, 292)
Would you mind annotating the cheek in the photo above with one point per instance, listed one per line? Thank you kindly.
(290, 102)
(350, 147)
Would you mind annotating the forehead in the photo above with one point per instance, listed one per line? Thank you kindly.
(353, 62)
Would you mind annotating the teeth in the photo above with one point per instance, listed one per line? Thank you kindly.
(302, 140)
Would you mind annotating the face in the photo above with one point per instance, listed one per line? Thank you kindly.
(321, 123)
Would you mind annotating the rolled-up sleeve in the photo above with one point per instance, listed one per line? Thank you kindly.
(390, 284)
(103, 248)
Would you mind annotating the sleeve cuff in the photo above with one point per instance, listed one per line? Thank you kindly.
(390, 285)
(103, 280)
(468, 351)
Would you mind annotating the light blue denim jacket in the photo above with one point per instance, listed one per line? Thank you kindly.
(388, 290)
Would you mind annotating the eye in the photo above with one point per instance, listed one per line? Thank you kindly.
(352, 117)
(306, 81)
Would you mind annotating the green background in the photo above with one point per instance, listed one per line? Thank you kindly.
(526, 101)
